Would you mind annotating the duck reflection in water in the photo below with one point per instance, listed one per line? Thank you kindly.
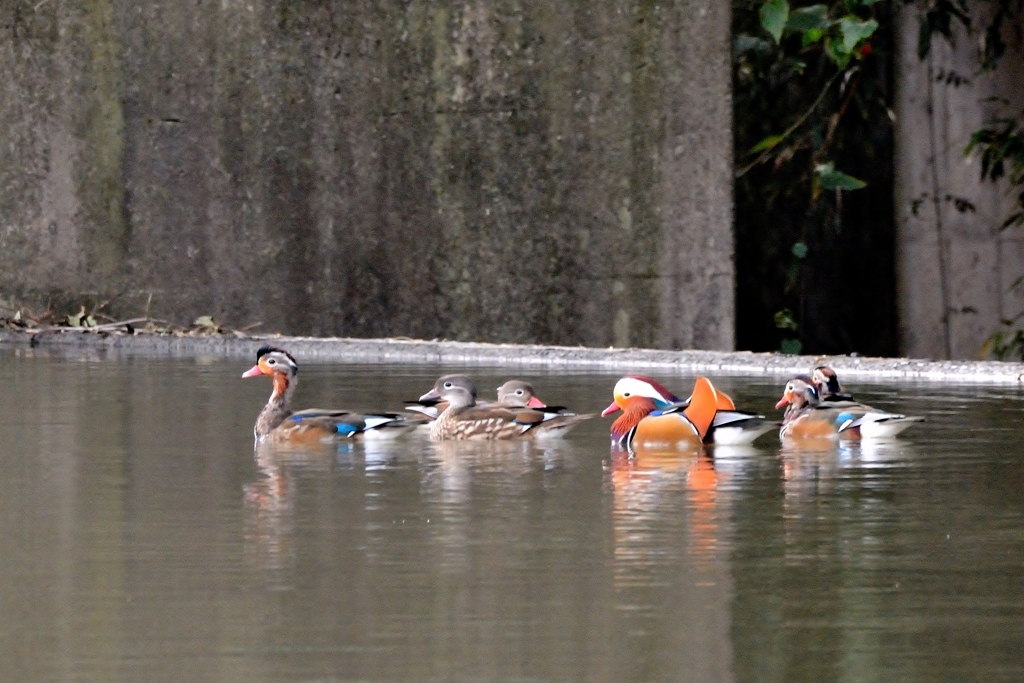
(672, 545)
(270, 500)
(270, 518)
(453, 464)
(457, 475)
(811, 467)
(645, 481)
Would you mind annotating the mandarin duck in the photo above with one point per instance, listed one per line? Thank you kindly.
(857, 420)
(516, 393)
(805, 417)
(279, 424)
(464, 419)
(653, 416)
(827, 383)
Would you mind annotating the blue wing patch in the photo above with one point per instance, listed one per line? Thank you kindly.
(346, 429)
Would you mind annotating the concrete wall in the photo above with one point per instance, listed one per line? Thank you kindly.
(955, 268)
(478, 169)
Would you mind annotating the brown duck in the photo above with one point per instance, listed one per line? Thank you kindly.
(463, 419)
(516, 393)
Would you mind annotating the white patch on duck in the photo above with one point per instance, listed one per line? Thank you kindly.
(631, 386)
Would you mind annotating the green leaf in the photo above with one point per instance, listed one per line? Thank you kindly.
(810, 18)
(831, 179)
(784, 320)
(812, 36)
(837, 51)
(791, 347)
(800, 250)
(774, 14)
(854, 30)
(766, 143)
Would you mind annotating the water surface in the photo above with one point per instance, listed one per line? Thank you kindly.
(143, 539)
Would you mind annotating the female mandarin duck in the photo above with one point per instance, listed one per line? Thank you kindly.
(277, 423)
(857, 420)
(512, 394)
(463, 419)
(654, 416)
(516, 393)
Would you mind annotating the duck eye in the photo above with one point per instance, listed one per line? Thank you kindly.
(519, 392)
(271, 362)
(447, 385)
(627, 395)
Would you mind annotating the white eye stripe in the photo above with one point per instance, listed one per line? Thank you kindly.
(630, 386)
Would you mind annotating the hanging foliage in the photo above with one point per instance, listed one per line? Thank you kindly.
(813, 123)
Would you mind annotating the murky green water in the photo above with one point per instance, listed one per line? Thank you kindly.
(142, 540)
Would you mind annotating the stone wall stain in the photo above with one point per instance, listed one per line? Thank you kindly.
(102, 131)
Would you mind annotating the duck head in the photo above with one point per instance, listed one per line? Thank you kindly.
(518, 394)
(637, 390)
(458, 390)
(826, 381)
(276, 363)
(637, 397)
(800, 392)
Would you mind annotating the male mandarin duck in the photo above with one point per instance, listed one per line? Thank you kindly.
(805, 418)
(463, 419)
(857, 419)
(278, 423)
(652, 415)
(827, 383)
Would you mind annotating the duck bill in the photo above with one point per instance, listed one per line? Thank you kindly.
(613, 408)
(254, 371)
(431, 395)
(535, 402)
(784, 401)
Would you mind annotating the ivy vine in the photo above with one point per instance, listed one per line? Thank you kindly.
(812, 90)
(813, 118)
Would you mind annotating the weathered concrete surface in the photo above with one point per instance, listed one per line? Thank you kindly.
(503, 170)
(624, 361)
(955, 268)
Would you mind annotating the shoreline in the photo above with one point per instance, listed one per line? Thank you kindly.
(411, 351)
